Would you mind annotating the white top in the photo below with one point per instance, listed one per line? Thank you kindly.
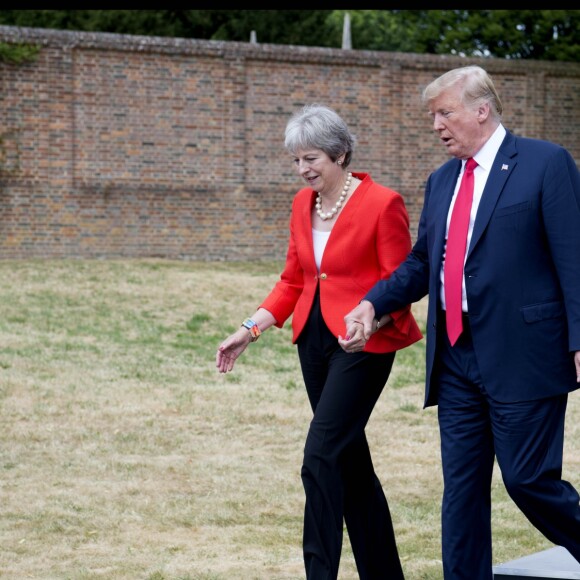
(319, 239)
(484, 158)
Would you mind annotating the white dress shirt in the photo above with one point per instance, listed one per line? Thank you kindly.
(484, 158)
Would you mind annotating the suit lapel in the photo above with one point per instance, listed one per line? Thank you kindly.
(348, 220)
(441, 207)
(503, 164)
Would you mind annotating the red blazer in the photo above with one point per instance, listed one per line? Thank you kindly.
(368, 241)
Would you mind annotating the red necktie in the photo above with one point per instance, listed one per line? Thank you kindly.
(455, 252)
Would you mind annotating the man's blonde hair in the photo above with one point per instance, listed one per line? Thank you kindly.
(477, 88)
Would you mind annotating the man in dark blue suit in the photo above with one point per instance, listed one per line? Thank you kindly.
(502, 387)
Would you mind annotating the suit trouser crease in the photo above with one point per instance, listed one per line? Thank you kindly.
(337, 472)
(526, 438)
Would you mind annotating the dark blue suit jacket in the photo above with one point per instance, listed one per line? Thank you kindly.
(522, 271)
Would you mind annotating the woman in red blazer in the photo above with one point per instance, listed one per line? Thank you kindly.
(346, 233)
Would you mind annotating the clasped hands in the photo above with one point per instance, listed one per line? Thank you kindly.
(360, 324)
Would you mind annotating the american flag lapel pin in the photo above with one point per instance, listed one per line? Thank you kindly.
(504, 167)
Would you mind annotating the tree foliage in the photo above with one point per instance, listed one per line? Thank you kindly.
(509, 34)
(18, 53)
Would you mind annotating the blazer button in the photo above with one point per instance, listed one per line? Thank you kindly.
(323, 276)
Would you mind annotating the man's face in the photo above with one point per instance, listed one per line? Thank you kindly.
(458, 126)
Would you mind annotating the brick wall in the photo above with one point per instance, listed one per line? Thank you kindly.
(130, 146)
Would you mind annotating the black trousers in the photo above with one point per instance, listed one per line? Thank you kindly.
(337, 472)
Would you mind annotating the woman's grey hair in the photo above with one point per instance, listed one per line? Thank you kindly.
(477, 88)
(319, 127)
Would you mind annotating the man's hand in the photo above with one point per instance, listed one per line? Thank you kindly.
(364, 314)
(577, 362)
(359, 327)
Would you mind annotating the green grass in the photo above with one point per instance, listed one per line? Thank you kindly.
(125, 455)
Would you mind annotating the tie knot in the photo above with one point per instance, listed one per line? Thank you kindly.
(471, 164)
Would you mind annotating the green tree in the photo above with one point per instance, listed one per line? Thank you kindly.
(298, 27)
(519, 34)
(304, 27)
(509, 34)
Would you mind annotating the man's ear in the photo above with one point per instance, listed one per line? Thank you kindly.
(483, 112)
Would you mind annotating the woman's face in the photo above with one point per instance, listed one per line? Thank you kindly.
(318, 170)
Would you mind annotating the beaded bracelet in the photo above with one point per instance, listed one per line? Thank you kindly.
(253, 328)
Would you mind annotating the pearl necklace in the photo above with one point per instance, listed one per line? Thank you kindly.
(338, 204)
